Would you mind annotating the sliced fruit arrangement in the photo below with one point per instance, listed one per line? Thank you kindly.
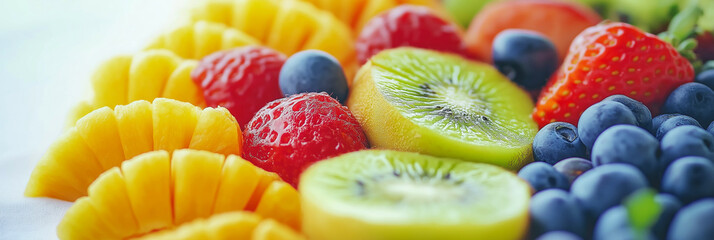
(444, 105)
(199, 39)
(284, 25)
(105, 138)
(229, 226)
(609, 59)
(153, 191)
(559, 21)
(382, 194)
(144, 76)
(356, 13)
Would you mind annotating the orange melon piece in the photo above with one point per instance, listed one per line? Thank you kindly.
(144, 76)
(288, 26)
(356, 13)
(229, 226)
(158, 191)
(199, 39)
(104, 139)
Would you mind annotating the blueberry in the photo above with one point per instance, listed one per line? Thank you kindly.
(641, 112)
(670, 205)
(706, 78)
(526, 57)
(606, 186)
(615, 224)
(689, 179)
(556, 210)
(572, 168)
(630, 145)
(674, 122)
(710, 129)
(557, 141)
(658, 120)
(313, 71)
(685, 141)
(601, 116)
(543, 176)
(692, 99)
(558, 235)
(694, 222)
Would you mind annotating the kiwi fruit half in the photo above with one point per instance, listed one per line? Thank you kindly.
(386, 194)
(443, 105)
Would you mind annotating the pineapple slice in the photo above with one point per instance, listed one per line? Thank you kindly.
(229, 226)
(155, 192)
(104, 139)
(144, 76)
(199, 39)
(288, 26)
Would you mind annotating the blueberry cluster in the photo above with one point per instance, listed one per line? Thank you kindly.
(583, 176)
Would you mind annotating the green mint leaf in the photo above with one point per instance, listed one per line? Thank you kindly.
(642, 209)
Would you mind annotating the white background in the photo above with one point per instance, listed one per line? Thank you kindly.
(48, 50)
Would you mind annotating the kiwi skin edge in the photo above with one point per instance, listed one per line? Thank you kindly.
(387, 128)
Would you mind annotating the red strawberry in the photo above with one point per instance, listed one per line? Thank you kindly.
(289, 134)
(242, 80)
(609, 59)
(408, 25)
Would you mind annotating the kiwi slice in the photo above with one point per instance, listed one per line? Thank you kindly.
(386, 194)
(443, 105)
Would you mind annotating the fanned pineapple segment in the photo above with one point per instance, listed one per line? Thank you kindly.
(199, 39)
(288, 26)
(229, 226)
(356, 13)
(105, 138)
(157, 191)
(144, 76)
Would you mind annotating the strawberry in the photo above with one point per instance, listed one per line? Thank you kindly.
(608, 59)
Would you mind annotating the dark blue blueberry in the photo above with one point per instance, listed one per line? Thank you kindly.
(556, 210)
(572, 168)
(674, 122)
(558, 235)
(543, 176)
(606, 186)
(526, 57)
(557, 141)
(685, 141)
(641, 112)
(615, 224)
(689, 179)
(658, 120)
(313, 71)
(630, 145)
(601, 116)
(694, 222)
(706, 78)
(692, 99)
(670, 205)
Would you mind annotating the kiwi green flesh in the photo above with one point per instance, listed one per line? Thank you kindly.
(392, 187)
(453, 96)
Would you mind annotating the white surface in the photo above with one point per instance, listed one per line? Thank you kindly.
(48, 50)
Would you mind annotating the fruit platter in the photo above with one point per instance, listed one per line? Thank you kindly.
(397, 119)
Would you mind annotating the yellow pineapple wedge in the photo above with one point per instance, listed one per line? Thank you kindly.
(356, 13)
(105, 138)
(229, 226)
(144, 76)
(198, 39)
(288, 26)
(158, 191)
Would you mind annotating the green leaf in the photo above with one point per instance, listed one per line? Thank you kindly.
(642, 209)
(683, 24)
